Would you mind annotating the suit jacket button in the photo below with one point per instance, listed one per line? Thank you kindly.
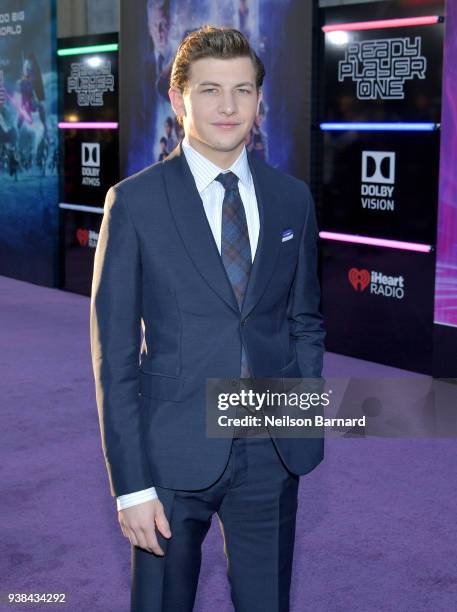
(244, 321)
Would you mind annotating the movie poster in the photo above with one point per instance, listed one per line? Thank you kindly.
(446, 265)
(278, 30)
(28, 141)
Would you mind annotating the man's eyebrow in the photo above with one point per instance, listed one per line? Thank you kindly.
(218, 84)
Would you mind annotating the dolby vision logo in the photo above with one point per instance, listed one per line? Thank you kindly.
(378, 180)
(378, 167)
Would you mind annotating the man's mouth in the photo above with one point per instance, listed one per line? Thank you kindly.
(226, 126)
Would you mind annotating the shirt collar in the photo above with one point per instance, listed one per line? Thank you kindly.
(205, 171)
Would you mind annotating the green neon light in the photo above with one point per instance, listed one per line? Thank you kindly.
(89, 49)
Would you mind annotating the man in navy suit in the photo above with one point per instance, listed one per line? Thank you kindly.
(212, 254)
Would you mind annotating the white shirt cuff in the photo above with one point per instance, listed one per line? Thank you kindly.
(138, 497)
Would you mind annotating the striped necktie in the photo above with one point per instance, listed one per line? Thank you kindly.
(235, 246)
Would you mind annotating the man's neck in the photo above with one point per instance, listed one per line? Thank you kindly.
(222, 159)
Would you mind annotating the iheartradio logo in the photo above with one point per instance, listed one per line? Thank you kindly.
(86, 238)
(379, 283)
(82, 236)
(359, 279)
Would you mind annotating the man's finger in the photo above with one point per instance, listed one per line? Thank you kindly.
(152, 542)
(131, 536)
(162, 524)
(141, 539)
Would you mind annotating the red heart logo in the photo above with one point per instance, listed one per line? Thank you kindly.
(359, 278)
(83, 236)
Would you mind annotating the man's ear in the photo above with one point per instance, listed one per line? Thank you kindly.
(177, 101)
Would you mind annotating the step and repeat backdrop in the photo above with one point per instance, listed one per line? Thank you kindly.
(88, 125)
(385, 165)
(28, 141)
(380, 125)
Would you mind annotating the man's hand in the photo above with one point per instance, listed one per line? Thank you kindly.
(138, 524)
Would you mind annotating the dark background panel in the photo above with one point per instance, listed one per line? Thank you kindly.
(422, 96)
(415, 190)
(86, 174)
(79, 236)
(86, 181)
(382, 10)
(72, 110)
(397, 332)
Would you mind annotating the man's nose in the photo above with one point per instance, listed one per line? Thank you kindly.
(227, 104)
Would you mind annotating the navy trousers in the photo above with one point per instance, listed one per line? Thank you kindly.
(256, 502)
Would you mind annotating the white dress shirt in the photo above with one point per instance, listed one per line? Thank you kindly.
(212, 195)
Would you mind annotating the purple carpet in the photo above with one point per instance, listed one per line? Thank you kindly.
(376, 528)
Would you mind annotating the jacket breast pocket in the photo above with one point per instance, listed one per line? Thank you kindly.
(286, 264)
(161, 386)
(288, 251)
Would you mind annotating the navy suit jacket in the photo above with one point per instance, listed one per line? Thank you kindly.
(157, 266)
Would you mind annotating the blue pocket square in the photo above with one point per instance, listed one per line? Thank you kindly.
(287, 234)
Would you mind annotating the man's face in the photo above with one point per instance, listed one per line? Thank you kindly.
(219, 105)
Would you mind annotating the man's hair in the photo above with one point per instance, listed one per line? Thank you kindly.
(211, 41)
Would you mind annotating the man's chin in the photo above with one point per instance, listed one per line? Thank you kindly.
(222, 145)
(227, 146)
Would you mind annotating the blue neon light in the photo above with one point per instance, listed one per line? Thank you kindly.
(387, 127)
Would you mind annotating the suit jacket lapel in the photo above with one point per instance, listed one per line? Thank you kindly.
(269, 236)
(190, 218)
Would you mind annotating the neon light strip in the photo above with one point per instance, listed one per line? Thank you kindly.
(88, 49)
(82, 207)
(383, 23)
(386, 127)
(88, 125)
(445, 324)
(382, 242)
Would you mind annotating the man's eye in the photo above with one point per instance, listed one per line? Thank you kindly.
(209, 90)
(244, 90)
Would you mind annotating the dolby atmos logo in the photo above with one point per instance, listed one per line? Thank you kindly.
(90, 164)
